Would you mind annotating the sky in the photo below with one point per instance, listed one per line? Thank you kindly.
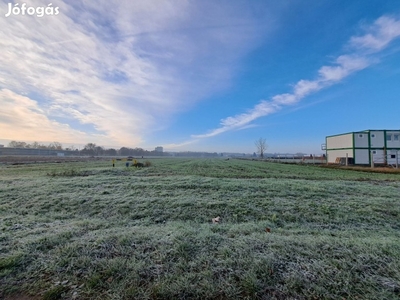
(198, 75)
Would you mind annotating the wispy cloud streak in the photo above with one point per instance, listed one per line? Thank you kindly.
(378, 36)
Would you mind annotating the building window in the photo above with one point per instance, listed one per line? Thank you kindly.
(395, 137)
(373, 135)
(388, 137)
(374, 152)
(393, 156)
(360, 135)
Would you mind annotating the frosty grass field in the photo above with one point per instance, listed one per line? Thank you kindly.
(85, 230)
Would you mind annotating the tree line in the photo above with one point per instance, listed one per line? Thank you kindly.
(89, 149)
(35, 145)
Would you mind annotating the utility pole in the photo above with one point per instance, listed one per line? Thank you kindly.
(372, 159)
(385, 156)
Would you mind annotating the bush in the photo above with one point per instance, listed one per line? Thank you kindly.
(68, 173)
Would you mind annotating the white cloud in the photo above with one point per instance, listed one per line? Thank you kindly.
(239, 121)
(122, 67)
(174, 146)
(381, 33)
(284, 99)
(305, 87)
(32, 123)
(345, 65)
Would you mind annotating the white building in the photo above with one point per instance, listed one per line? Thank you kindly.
(382, 146)
(159, 149)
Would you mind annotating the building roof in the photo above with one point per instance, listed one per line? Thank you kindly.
(363, 131)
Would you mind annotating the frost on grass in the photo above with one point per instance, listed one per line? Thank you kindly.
(288, 231)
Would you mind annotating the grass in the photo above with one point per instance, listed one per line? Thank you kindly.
(90, 231)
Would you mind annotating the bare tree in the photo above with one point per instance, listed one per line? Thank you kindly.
(55, 146)
(261, 146)
(58, 145)
(35, 145)
(90, 146)
(16, 144)
(98, 150)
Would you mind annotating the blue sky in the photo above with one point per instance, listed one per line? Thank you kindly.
(199, 75)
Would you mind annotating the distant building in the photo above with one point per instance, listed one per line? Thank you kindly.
(1, 146)
(159, 149)
(360, 147)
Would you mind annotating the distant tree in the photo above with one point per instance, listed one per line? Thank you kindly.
(70, 148)
(137, 151)
(90, 146)
(55, 146)
(110, 152)
(98, 150)
(35, 145)
(58, 145)
(16, 144)
(261, 146)
(89, 149)
(125, 151)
